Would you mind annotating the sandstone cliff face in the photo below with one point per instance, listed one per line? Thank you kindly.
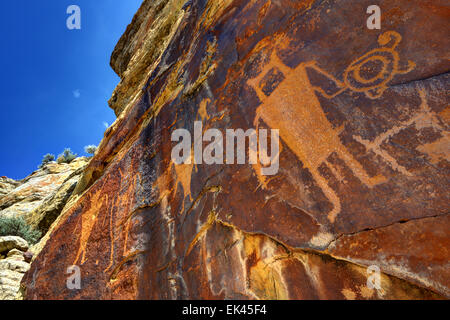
(7, 185)
(363, 120)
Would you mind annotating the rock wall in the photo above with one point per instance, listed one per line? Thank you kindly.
(362, 184)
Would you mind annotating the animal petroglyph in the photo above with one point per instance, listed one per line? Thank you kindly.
(422, 119)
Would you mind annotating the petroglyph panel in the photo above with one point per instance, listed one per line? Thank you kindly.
(313, 138)
(363, 118)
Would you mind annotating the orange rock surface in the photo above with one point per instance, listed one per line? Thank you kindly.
(364, 162)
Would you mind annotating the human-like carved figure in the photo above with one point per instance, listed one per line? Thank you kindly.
(303, 124)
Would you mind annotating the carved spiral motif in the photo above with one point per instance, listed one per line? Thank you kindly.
(354, 77)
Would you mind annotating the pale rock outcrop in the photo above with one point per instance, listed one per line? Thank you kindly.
(43, 216)
(32, 198)
(16, 255)
(12, 266)
(8, 243)
(7, 185)
(9, 283)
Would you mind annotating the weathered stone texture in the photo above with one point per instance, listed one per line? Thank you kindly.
(363, 119)
(7, 185)
(12, 266)
(8, 243)
(43, 193)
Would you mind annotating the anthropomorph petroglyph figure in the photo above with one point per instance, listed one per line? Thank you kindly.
(304, 126)
(294, 109)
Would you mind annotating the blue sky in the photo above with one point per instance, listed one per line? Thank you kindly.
(55, 82)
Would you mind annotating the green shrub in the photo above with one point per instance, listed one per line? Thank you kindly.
(47, 159)
(61, 159)
(90, 149)
(19, 227)
(67, 156)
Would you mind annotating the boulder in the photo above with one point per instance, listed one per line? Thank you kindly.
(8, 243)
(16, 255)
(14, 265)
(28, 256)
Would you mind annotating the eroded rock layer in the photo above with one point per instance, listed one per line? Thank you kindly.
(363, 121)
(13, 265)
(40, 197)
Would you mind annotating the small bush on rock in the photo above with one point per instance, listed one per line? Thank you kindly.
(90, 149)
(67, 156)
(20, 228)
(47, 159)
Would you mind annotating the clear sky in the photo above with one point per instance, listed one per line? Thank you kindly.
(55, 82)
